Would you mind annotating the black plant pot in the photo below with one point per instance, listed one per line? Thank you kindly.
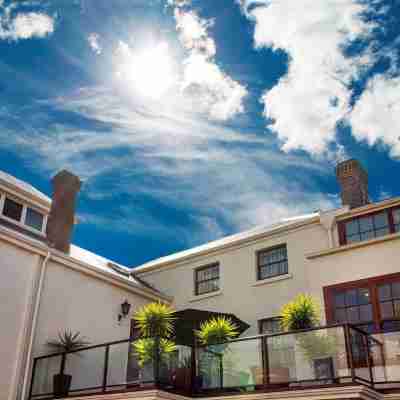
(61, 385)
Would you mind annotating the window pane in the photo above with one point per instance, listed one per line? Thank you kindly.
(273, 262)
(386, 309)
(12, 209)
(381, 220)
(366, 313)
(339, 299)
(34, 219)
(353, 238)
(340, 315)
(382, 232)
(396, 308)
(352, 314)
(351, 297)
(384, 292)
(367, 235)
(366, 224)
(271, 326)
(352, 227)
(396, 290)
(396, 216)
(363, 296)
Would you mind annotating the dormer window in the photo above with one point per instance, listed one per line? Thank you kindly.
(369, 226)
(21, 214)
(12, 209)
(34, 219)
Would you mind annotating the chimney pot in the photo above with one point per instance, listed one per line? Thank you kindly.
(61, 220)
(353, 181)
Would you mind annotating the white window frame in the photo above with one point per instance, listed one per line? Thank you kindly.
(21, 222)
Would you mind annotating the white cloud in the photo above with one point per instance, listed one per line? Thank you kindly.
(307, 103)
(203, 169)
(94, 42)
(207, 89)
(376, 115)
(24, 25)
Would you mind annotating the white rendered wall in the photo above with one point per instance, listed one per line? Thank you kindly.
(18, 276)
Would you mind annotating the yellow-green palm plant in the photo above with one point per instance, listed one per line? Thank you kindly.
(145, 349)
(301, 313)
(155, 324)
(217, 330)
(155, 320)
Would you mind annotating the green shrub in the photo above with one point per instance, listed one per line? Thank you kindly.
(301, 313)
(217, 330)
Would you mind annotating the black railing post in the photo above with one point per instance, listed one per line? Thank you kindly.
(265, 361)
(221, 370)
(193, 365)
(349, 351)
(371, 375)
(32, 378)
(156, 366)
(105, 370)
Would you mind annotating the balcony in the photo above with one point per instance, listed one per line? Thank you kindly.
(325, 357)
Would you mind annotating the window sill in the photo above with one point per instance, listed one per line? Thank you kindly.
(347, 247)
(205, 296)
(273, 279)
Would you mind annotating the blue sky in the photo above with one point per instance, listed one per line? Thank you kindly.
(190, 120)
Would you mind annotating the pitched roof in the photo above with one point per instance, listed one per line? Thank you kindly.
(227, 241)
(13, 182)
(110, 267)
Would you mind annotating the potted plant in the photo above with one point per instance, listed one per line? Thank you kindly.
(214, 334)
(304, 313)
(300, 313)
(155, 324)
(66, 341)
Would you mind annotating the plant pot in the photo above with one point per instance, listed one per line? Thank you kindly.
(61, 385)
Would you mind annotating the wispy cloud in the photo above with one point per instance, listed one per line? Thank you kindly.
(217, 176)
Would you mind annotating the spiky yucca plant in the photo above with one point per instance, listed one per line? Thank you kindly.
(301, 313)
(155, 320)
(68, 341)
(217, 330)
(145, 349)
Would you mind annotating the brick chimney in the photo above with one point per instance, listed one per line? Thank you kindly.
(353, 181)
(62, 213)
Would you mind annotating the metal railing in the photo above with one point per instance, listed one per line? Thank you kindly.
(332, 355)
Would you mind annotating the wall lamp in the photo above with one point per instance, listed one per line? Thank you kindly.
(125, 308)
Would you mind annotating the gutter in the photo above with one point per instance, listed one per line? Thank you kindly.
(172, 262)
(32, 330)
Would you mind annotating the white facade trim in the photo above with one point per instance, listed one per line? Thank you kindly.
(37, 247)
(352, 246)
(237, 244)
(272, 280)
(206, 296)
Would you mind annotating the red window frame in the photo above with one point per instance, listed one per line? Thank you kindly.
(370, 283)
(342, 224)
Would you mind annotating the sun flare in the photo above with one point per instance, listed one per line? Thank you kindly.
(149, 72)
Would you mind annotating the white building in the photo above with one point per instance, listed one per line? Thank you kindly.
(346, 258)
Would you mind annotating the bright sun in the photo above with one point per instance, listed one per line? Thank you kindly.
(148, 72)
